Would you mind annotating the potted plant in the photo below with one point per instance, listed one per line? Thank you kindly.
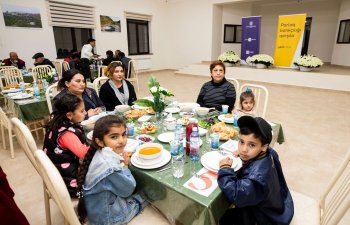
(261, 61)
(229, 58)
(307, 62)
(159, 93)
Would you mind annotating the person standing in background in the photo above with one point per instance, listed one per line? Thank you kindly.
(14, 61)
(86, 55)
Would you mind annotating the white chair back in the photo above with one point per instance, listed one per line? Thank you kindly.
(58, 66)
(56, 187)
(98, 82)
(51, 92)
(40, 71)
(11, 74)
(333, 204)
(236, 84)
(261, 94)
(116, 62)
(65, 66)
(101, 71)
(5, 122)
(133, 73)
(28, 144)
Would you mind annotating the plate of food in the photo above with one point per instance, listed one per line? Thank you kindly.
(135, 113)
(144, 138)
(21, 96)
(227, 118)
(184, 121)
(147, 128)
(11, 90)
(150, 110)
(226, 132)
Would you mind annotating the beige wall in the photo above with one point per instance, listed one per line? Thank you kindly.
(341, 51)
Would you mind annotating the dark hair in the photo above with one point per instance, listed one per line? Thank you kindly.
(109, 53)
(90, 40)
(111, 67)
(102, 127)
(217, 63)
(246, 94)
(67, 76)
(255, 132)
(75, 55)
(121, 54)
(58, 118)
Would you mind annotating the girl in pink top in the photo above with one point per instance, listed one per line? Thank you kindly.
(65, 142)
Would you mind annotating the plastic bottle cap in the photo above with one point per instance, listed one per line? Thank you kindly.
(194, 129)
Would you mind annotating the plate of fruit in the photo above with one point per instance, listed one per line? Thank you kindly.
(147, 128)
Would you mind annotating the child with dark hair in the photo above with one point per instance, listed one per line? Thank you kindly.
(246, 104)
(65, 141)
(258, 190)
(105, 183)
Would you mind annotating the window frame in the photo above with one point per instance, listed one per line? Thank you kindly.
(338, 36)
(137, 23)
(235, 26)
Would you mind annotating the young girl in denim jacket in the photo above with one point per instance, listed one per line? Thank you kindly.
(65, 142)
(104, 179)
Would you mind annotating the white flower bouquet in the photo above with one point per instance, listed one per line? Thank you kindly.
(50, 76)
(309, 61)
(260, 59)
(159, 93)
(229, 57)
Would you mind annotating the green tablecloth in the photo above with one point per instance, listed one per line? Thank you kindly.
(179, 204)
(27, 109)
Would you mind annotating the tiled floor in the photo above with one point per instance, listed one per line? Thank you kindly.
(316, 125)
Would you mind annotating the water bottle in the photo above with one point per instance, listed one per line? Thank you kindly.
(235, 120)
(36, 89)
(46, 85)
(194, 144)
(189, 128)
(22, 87)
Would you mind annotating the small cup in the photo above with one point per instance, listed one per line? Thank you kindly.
(215, 141)
(224, 109)
(131, 129)
(177, 166)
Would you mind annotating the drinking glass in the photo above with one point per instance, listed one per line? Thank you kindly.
(178, 166)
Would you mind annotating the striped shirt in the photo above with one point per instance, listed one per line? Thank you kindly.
(217, 94)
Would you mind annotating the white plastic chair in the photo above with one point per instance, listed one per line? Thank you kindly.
(133, 73)
(333, 204)
(5, 122)
(65, 66)
(236, 84)
(11, 75)
(260, 93)
(101, 71)
(51, 92)
(56, 187)
(58, 66)
(40, 71)
(28, 144)
(98, 82)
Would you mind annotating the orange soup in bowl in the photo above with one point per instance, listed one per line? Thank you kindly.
(149, 150)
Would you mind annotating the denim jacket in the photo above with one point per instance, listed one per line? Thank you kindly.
(108, 191)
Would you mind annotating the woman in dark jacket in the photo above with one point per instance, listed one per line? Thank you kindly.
(73, 82)
(117, 90)
(218, 91)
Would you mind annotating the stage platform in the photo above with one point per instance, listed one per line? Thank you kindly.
(327, 77)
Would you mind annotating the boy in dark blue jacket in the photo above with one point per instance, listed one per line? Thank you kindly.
(258, 190)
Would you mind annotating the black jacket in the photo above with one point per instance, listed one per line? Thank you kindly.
(109, 98)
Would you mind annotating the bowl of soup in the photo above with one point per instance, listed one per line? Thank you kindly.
(149, 150)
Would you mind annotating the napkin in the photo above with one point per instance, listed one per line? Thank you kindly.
(204, 184)
(131, 145)
(229, 146)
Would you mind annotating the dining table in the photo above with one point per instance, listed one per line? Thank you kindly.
(177, 203)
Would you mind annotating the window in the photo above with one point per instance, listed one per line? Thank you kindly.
(232, 33)
(68, 38)
(344, 32)
(138, 36)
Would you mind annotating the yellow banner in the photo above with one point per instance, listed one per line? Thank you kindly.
(289, 40)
